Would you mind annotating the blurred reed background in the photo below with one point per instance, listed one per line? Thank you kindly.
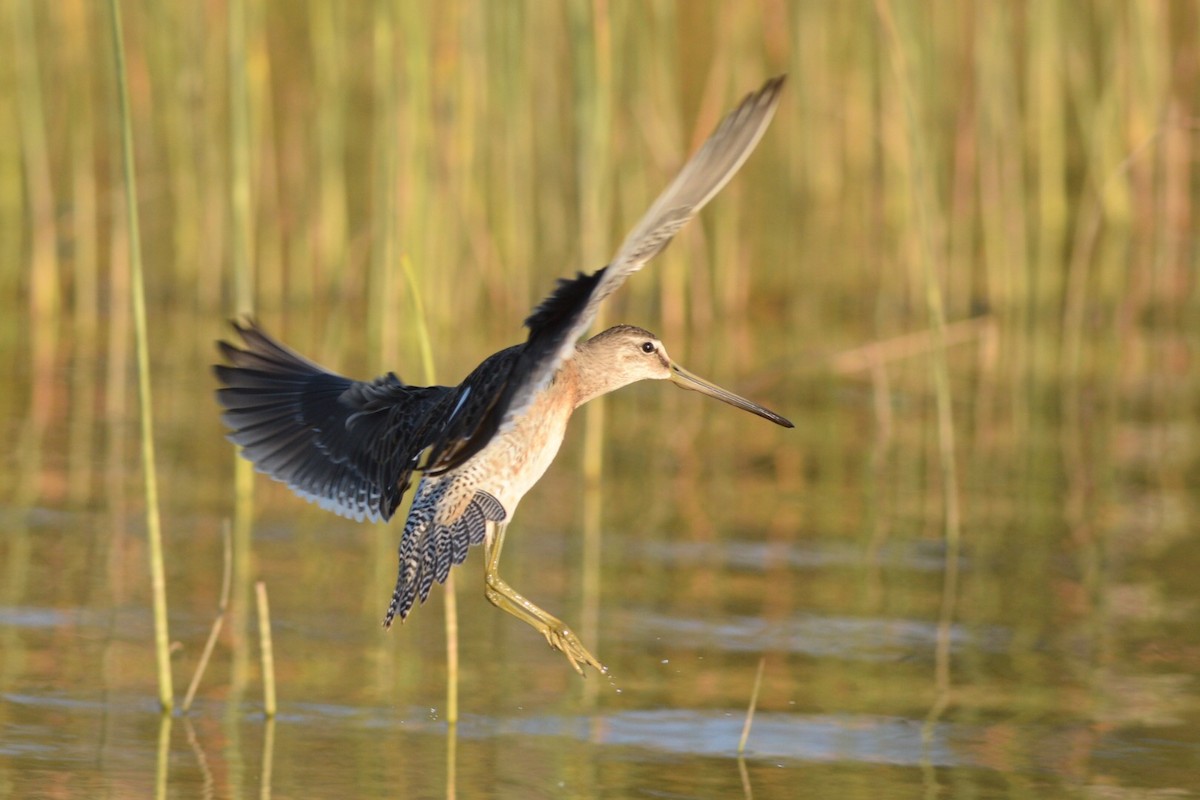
(1044, 175)
(499, 145)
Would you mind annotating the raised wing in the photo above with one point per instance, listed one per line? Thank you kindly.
(558, 322)
(349, 446)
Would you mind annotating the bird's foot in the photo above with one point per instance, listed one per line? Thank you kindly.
(563, 640)
(557, 634)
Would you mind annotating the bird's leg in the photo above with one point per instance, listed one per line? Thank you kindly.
(504, 597)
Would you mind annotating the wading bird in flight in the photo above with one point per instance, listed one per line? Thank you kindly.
(352, 447)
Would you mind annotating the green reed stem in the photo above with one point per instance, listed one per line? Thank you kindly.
(422, 329)
(162, 759)
(924, 205)
(268, 760)
(593, 115)
(451, 606)
(381, 322)
(82, 457)
(222, 607)
(242, 244)
(762, 662)
(451, 764)
(266, 648)
(241, 248)
(328, 37)
(141, 337)
(45, 293)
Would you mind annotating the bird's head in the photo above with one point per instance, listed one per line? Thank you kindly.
(625, 354)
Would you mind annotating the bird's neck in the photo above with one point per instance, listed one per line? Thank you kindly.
(590, 377)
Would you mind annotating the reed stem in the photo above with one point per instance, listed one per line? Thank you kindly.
(924, 205)
(239, 220)
(451, 602)
(267, 649)
(218, 623)
(162, 759)
(762, 662)
(141, 339)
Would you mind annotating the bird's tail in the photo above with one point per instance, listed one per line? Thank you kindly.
(429, 548)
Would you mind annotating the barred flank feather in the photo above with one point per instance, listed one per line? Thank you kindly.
(428, 550)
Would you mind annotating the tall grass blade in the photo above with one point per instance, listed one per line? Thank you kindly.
(45, 294)
(241, 241)
(222, 607)
(451, 602)
(741, 748)
(266, 648)
(268, 760)
(593, 119)
(925, 209)
(141, 338)
(162, 760)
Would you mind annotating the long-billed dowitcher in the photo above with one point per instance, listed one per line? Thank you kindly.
(352, 447)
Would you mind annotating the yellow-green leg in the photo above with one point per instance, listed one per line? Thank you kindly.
(504, 597)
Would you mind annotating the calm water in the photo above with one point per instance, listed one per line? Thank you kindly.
(1073, 646)
(1050, 648)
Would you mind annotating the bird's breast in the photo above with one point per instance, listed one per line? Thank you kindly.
(516, 459)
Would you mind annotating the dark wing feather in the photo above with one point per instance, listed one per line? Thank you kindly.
(349, 446)
(470, 419)
(558, 314)
(558, 322)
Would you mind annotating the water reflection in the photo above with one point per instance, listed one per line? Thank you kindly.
(819, 637)
(371, 749)
(847, 679)
(924, 556)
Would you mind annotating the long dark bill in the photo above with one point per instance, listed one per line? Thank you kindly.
(686, 380)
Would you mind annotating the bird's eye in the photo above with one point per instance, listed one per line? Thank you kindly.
(647, 347)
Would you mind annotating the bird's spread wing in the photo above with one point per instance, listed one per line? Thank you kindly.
(349, 446)
(558, 322)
